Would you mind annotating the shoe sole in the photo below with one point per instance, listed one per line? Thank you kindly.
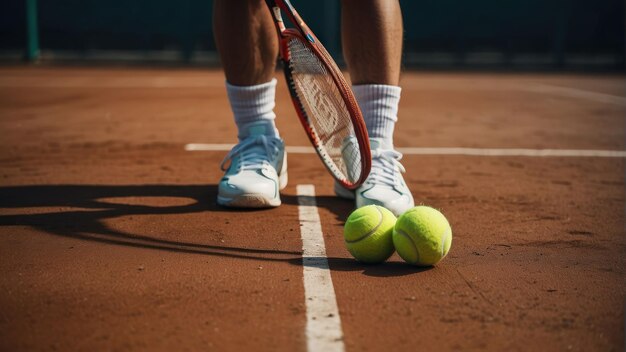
(249, 201)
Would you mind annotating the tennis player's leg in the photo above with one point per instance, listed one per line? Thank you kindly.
(248, 47)
(372, 43)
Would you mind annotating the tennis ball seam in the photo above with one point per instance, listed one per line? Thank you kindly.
(372, 231)
(406, 235)
(445, 235)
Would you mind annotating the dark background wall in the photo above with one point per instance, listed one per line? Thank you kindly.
(448, 33)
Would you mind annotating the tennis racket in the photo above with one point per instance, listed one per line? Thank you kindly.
(323, 99)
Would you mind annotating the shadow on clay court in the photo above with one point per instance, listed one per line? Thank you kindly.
(84, 207)
(340, 207)
(388, 269)
(79, 211)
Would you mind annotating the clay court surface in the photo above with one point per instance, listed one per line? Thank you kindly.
(110, 238)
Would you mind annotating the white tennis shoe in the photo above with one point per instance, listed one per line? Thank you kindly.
(385, 185)
(257, 171)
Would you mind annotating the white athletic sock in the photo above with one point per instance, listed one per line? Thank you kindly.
(379, 105)
(251, 104)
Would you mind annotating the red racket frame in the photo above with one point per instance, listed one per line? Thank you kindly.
(304, 34)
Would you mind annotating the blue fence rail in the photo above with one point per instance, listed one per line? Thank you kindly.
(448, 33)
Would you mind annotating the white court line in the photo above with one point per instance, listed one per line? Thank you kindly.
(451, 151)
(515, 152)
(575, 93)
(323, 326)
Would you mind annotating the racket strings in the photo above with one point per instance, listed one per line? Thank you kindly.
(326, 112)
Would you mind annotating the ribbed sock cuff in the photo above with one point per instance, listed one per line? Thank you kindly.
(252, 104)
(379, 105)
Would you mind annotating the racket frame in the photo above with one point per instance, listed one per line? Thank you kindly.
(304, 34)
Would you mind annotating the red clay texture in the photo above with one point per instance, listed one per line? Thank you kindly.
(110, 237)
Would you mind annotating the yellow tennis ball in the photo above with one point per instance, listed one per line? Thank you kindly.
(422, 236)
(368, 233)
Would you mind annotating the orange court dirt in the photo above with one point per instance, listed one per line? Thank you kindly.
(110, 238)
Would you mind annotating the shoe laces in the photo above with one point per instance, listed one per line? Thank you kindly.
(385, 165)
(253, 152)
